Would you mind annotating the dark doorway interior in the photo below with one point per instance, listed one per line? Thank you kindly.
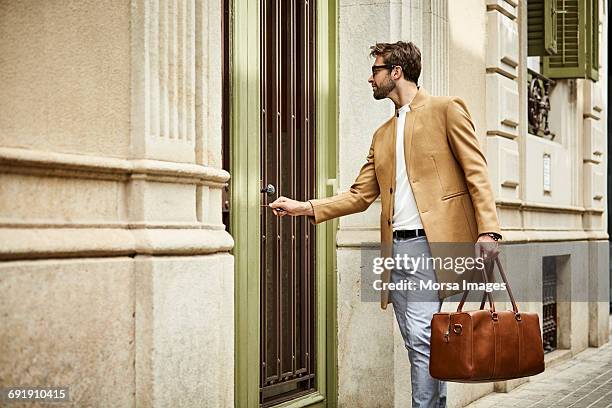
(225, 116)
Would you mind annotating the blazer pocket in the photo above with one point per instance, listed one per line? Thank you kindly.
(449, 196)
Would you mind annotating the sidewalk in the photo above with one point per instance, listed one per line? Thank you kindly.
(580, 382)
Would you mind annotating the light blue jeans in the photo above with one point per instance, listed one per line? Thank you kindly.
(413, 311)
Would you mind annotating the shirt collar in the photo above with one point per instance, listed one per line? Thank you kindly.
(403, 109)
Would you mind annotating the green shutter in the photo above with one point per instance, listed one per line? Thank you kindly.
(570, 60)
(541, 33)
(550, 26)
(535, 28)
(592, 39)
(541, 27)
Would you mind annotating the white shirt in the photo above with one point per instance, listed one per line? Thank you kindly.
(405, 214)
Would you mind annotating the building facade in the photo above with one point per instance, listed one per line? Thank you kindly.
(139, 141)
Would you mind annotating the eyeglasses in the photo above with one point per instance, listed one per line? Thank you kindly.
(375, 68)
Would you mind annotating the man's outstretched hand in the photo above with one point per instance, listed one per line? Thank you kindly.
(285, 206)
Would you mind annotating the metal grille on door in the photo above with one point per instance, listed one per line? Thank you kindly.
(287, 168)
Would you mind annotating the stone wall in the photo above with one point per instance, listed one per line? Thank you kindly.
(116, 279)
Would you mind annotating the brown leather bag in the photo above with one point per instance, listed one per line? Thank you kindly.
(485, 345)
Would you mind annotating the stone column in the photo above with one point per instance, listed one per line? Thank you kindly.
(594, 148)
(117, 280)
(184, 303)
(502, 103)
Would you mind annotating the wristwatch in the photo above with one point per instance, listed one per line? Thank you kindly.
(494, 235)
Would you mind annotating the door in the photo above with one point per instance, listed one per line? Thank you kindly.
(284, 280)
(287, 244)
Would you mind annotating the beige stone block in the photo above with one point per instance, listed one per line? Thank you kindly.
(593, 185)
(185, 331)
(502, 44)
(360, 26)
(20, 243)
(365, 341)
(213, 214)
(564, 119)
(551, 220)
(69, 323)
(467, 57)
(60, 199)
(157, 201)
(560, 172)
(579, 324)
(181, 241)
(503, 165)
(65, 86)
(510, 219)
(507, 7)
(593, 148)
(502, 106)
(593, 99)
(599, 292)
(572, 267)
(595, 222)
(170, 150)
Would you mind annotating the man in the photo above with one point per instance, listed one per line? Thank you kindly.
(426, 164)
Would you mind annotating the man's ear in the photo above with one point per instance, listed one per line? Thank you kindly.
(399, 71)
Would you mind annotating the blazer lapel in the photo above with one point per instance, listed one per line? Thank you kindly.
(408, 138)
(419, 100)
(392, 151)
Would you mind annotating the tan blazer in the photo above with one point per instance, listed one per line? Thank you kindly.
(447, 172)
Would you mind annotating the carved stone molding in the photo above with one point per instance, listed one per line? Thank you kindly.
(100, 206)
(176, 55)
(37, 243)
(24, 161)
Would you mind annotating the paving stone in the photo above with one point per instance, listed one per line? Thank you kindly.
(604, 402)
(584, 381)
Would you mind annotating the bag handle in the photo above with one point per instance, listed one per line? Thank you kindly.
(485, 295)
(488, 294)
(505, 279)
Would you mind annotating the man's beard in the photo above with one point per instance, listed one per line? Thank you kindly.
(381, 92)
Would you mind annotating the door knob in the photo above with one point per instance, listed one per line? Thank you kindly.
(270, 190)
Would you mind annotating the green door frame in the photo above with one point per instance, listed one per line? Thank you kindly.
(245, 199)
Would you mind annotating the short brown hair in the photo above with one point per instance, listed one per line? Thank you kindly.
(406, 55)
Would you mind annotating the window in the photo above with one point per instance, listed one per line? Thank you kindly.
(566, 34)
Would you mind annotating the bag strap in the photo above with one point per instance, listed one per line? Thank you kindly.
(505, 279)
(488, 294)
(485, 295)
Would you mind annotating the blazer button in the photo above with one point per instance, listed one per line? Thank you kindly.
(389, 222)
(391, 190)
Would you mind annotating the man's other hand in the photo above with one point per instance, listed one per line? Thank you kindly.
(487, 247)
(285, 206)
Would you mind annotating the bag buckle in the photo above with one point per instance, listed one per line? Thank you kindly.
(494, 316)
(517, 316)
(457, 328)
